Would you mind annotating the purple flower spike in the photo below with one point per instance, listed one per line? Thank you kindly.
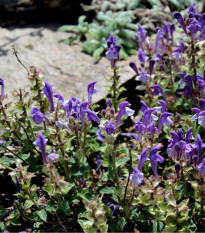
(144, 106)
(91, 90)
(144, 76)
(158, 90)
(151, 128)
(164, 119)
(166, 30)
(189, 135)
(92, 116)
(141, 32)
(113, 54)
(139, 127)
(59, 97)
(180, 19)
(142, 158)
(199, 146)
(151, 66)
(124, 110)
(192, 9)
(2, 88)
(136, 177)
(37, 116)
(147, 116)
(202, 104)
(163, 106)
(154, 159)
(52, 156)
(111, 40)
(201, 168)
(158, 38)
(100, 136)
(172, 29)
(48, 92)
(41, 143)
(194, 27)
(141, 56)
(110, 128)
(177, 169)
(134, 67)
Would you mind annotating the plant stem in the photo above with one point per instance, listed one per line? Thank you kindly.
(183, 180)
(130, 169)
(114, 166)
(115, 89)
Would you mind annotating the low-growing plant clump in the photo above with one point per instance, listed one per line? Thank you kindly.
(74, 168)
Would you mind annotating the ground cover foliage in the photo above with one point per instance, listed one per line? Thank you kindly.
(74, 169)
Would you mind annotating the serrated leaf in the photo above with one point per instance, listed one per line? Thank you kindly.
(42, 214)
(5, 160)
(108, 190)
(63, 209)
(121, 161)
(28, 204)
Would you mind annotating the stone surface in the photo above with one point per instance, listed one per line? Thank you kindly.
(65, 67)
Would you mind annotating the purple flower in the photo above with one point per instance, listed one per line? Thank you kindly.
(141, 32)
(48, 92)
(197, 111)
(111, 40)
(154, 159)
(151, 66)
(134, 135)
(91, 90)
(163, 107)
(59, 97)
(98, 161)
(116, 212)
(92, 116)
(134, 67)
(201, 167)
(41, 143)
(195, 159)
(199, 145)
(52, 156)
(83, 108)
(2, 89)
(192, 9)
(142, 158)
(194, 27)
(113, 50)
(151, 128)
(158, 38)
(189, 135)
(100, 136)
(144, 76)
(172, 29)
(109, 103)
(124, 110)
(136, 177)
(164, 119)
(177, 169)
(109, 128)
(37, 116)
(67, 106)
(202, 104)
(166, 30)
(139, 127)
(148, 116)
(158, 57)
(144, 106)
(179, 18)
(158, 90)
(141, 56)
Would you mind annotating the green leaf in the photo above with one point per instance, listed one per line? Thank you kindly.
(5, 160)
(2, 211)
(28, 204)
(98, 52)
(90, 46)
(68, 28)
(42, 214)
(15, 222)
(109, 149)
(79, 170)
(51, 205)
(121, 223)
(170, 228)
(108, 190)
(87, 195)
(63, 209)
(81, 20)
(121, 161)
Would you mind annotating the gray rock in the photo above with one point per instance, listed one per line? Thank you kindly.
(65, 67)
